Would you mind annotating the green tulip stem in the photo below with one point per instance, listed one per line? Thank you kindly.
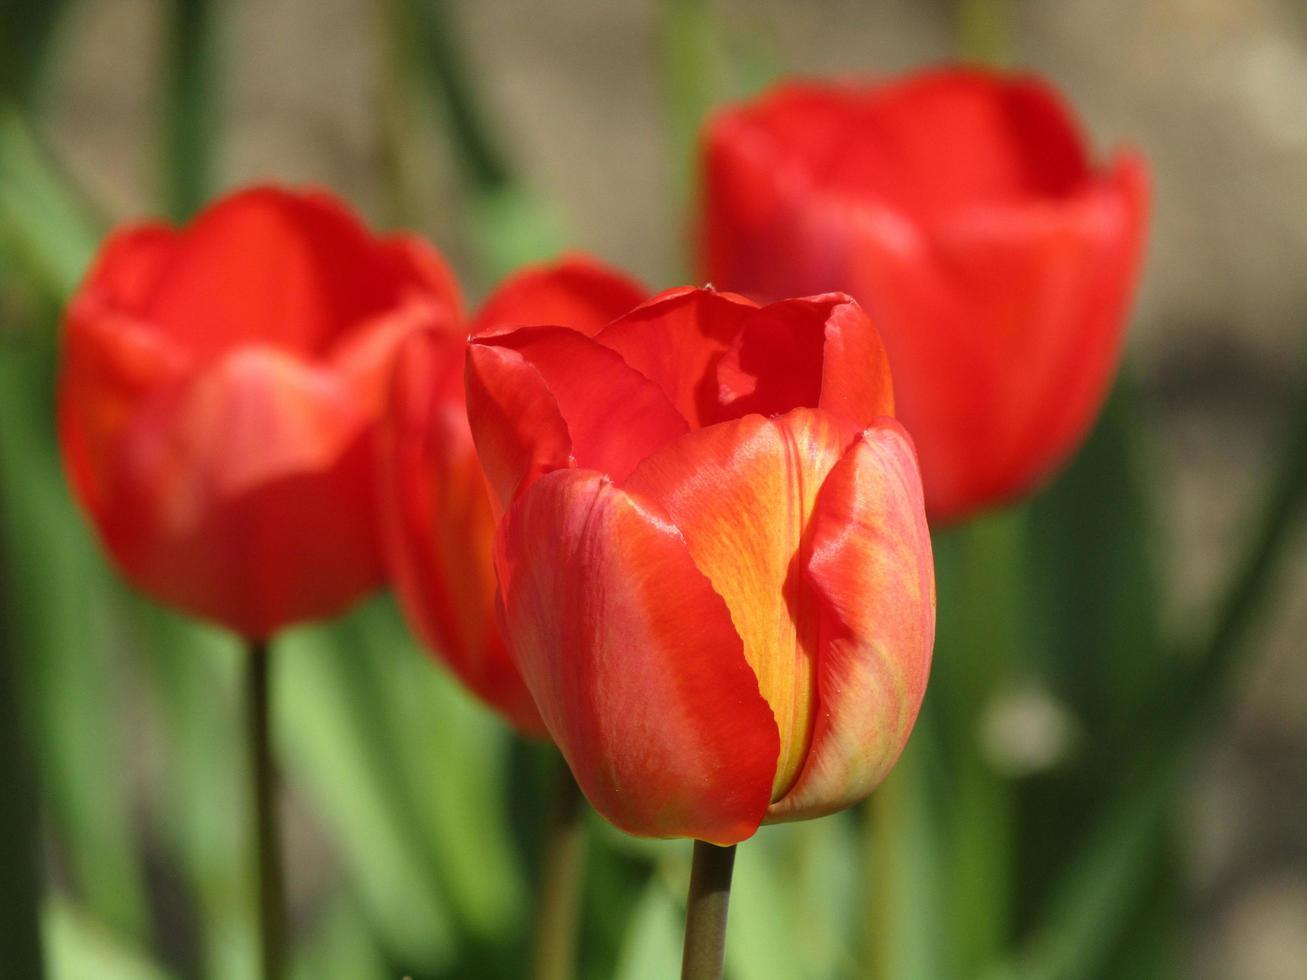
(20, 885)
(705, 912)
(271, 885)
(190, 106)
(554, 956)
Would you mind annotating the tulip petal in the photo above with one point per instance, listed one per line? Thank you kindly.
(927, 145)
(364, 358)
(439, 528)
(741, 493)
(613, 416)
(273, 267)
(855, 372)
(265, 468)
(633, 662)
(112, 358)
(575, 292)
(951, 138)
(871, 572)
(126, 272)
(111, 362)
(1027, 309)
(429, 301)
(818, 351)
(675, 340)
(516, 425)
(1070, 279)
(424, 272)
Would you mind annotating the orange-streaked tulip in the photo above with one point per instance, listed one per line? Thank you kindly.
(963, 210)
(713, 561)
(436, 510)
(221, 390)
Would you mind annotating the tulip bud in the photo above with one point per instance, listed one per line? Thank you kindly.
(713, 561)
(437, 513)
(220, 393)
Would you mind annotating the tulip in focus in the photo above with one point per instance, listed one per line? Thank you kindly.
(221, 392)
(963, 210)
(436, 509)
(713, 560)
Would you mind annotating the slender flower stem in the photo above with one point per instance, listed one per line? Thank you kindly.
(20, 883)
(190, 97)
(272, 904)
(554, 956)
(705, 912)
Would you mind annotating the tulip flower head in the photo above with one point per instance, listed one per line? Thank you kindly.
(963, 211)
(713, 561)
(221, 390)
(436, 509)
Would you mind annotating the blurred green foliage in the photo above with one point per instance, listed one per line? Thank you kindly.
(414, 818)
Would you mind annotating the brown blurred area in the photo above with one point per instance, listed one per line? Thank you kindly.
(1213, 91)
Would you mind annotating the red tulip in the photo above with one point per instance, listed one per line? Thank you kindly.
(713, 560)
(437, 513)
(963, 211)
(221, 390)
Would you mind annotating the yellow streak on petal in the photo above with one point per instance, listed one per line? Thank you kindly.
(742, 494)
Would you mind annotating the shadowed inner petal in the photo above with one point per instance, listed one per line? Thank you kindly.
(615, 416)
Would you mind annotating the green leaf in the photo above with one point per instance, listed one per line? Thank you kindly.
(760, 937)
(1096, 597)
(203, 785)
(616, 877)
(1094, 901)
(982, 651)
(40, 217)
(64, 623)
(340, 947)
(449, 753)
(830, 880)
(324, 727)
(81, 948)
(512, 226)
(407, 772)
(908, 905)
(1098, 896)
(651, 949)
(1095, 607)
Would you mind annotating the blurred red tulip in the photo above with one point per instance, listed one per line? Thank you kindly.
(963, 211)
(713, 561)
(221, 390)
(437, 513)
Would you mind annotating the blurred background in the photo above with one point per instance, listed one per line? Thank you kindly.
(506, 131)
